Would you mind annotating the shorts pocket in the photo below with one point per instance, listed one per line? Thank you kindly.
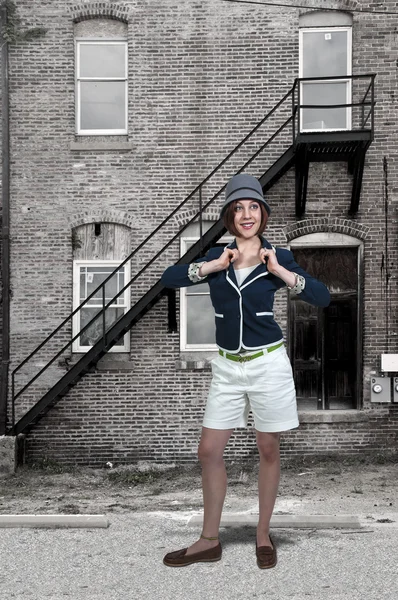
(287, 361)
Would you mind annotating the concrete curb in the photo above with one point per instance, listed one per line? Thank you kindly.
(286, 521)
(54, 521)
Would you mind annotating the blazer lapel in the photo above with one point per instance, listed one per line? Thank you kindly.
(259, 271)
(231, 277)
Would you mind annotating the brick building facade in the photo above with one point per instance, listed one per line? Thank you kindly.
(198, 76)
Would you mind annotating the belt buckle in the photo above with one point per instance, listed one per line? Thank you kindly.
(244, 358)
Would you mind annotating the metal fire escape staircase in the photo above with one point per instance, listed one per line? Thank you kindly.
(287, 145)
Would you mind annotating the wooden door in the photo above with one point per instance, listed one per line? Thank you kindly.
(306, 354)
(323, 341)
(340, 352)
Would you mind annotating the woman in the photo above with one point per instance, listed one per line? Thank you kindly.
(252, 370)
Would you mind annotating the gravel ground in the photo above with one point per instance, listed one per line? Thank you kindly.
(305, 485)
(149, 510)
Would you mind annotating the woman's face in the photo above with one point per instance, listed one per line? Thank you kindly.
(247, 218)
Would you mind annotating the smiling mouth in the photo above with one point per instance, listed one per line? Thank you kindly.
(247, 225)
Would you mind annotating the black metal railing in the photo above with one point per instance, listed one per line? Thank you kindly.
(293, 120)
(101, 288)
(355, 110)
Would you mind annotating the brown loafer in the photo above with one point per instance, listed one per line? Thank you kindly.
(179, 558)
(266, 556)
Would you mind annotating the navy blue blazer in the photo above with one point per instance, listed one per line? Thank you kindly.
(244, 315)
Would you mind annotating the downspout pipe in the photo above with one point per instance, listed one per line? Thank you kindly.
(5, 238)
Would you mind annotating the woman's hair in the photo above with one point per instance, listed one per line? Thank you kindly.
(229, 216)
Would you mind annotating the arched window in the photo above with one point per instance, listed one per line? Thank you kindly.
(98, 248)
(325, 52)
(101, 77)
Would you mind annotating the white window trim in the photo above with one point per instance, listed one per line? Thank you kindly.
(349, 72)
(77, 264)
(85, 41)
(184, 346)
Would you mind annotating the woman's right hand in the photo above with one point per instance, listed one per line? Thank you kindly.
(220, 264)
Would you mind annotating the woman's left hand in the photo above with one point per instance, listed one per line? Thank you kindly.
(268, 257)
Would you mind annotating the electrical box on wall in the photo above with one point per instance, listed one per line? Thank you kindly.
(389, 363)
(380, 389)
(395, 389)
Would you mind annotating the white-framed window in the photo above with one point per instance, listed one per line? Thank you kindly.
(325, 52)
(197, 326)
(87, 276)
(101, 87)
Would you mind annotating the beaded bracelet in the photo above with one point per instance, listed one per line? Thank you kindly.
(299, 285)
(193, 272)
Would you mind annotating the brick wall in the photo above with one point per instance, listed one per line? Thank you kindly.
(201, 75)
(1, 225)
(1, 296)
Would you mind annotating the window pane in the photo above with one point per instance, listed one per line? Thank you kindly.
(92, 277)
(324, 93)
(200, 320)
(94, 331)
(112, 287)
(102, 60)
(325, 53)
(83, 279)
(95, 277)
(102, 105)
(200, 288)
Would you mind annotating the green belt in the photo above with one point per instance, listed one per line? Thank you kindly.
(237, 358)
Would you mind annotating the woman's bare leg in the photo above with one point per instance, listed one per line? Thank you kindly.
(214, 483)
(268, 482)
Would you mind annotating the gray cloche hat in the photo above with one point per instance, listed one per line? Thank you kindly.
(244, 187)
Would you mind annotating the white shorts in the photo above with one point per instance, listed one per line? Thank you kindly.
(263, 385)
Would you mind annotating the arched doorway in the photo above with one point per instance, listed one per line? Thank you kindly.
(325, 344)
